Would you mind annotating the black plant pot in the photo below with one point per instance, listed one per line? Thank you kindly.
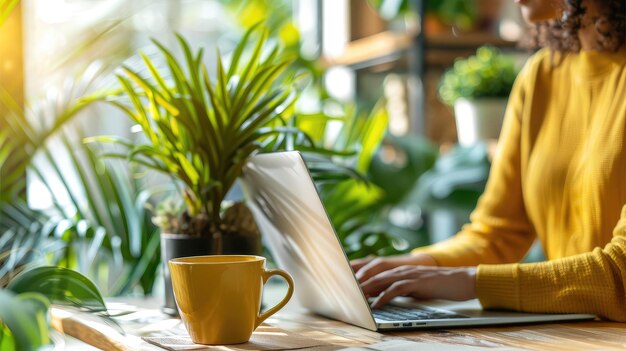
(237, 244)
(175, 246)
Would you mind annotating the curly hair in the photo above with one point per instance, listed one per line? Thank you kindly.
(562, 34)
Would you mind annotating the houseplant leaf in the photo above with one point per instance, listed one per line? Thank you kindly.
(62, 286)
(23, 321)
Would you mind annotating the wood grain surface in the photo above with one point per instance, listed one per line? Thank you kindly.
(334, 335)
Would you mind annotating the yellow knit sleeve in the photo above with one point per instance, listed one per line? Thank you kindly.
(593, 282)
(499, 231)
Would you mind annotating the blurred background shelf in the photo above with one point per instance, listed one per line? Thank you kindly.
(388, 47)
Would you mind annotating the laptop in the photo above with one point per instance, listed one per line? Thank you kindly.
(292, 219)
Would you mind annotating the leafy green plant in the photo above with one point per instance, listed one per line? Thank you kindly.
(488, 73)
(23, 231)
(24, 304)
(277, 17)
(459, 13)
(105, 230)
(28, 137)
(199, 131)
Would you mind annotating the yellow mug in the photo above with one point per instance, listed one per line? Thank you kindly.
(219, 297)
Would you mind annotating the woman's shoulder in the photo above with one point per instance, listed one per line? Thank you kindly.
(540, 68)
(542, 62)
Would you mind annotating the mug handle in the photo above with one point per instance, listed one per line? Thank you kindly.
(267, 273)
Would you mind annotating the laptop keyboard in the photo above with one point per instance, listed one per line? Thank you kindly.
(397, 313)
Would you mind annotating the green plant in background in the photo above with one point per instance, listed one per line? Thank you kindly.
(277, 17)
(106, 232)
(358, 208)
(103, 228)
(391, 9)
(401, 162)
(488, 73)
(25, 301)
(455, 182)
(451, 188)
(23, 231)
(201, 132)
(24, 304)
(458, 13)
(26, 139)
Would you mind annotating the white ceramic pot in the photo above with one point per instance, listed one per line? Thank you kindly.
(479, 119)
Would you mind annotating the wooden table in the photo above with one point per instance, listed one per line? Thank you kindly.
(332, 335)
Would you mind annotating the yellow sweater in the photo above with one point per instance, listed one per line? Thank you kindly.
(560, 176)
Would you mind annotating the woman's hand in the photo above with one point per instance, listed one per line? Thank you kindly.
(368, 267)
(421, 282)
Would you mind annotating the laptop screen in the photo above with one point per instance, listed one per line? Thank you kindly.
(296, 227)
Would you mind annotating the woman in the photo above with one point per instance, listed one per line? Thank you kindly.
(559, 175)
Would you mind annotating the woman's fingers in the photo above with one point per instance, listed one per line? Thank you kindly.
(367, 268)
(422, 283)
(399, 288)
(372, 268)
(359, 263)
(381, 281)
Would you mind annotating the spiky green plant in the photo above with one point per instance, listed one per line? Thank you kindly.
(28, 137)
(201, 131)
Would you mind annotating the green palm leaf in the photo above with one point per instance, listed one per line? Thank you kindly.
(112, 233)
(60, 285)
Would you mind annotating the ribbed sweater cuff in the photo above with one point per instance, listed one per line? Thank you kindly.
(497, 286)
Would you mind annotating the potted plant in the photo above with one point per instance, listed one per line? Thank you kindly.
(200, 131)
(478, 88)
